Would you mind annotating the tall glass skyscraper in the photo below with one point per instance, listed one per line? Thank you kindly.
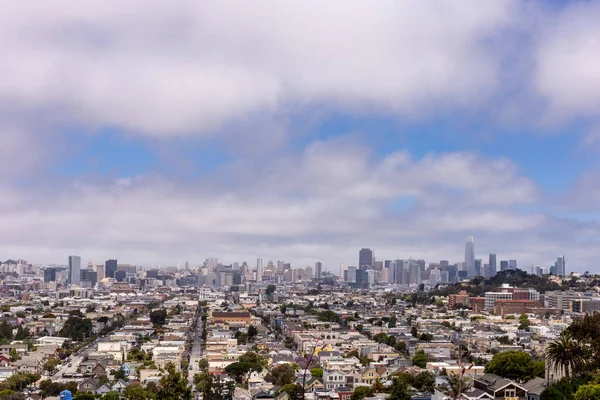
(470, 257)
(74, 270)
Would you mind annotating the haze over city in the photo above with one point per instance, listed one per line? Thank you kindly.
(156, 134)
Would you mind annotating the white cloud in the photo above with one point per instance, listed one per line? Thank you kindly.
(187, 67)
(568, 62)
(301, 213)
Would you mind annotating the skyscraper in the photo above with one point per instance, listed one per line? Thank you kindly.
(512, 264)
(470, 257)
(259, 269)
(110, 267)
(365, 258)
(49, 275)
(318, 269)
(560, 266)
(478, 267)
(492, 262)
(74, 270)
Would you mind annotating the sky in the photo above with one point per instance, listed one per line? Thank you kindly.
(158, 132)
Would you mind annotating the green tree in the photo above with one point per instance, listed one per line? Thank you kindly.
(281, 375)
(565, 353)
(424, 381)
(317, 372)
(361, 392)
(252, 332)
(14, 356)
(393, 321)
(588, 392)
(22, 333)
(111, 396)
(456, 385)
(514, 365)
(203, 364)
(76, 327)
(135, 391)
(50, 365)
(6, 331)
(399, 389)
(84, 396)
(426, 337)
(294, 390)
(158, 317)
(174, 385)
(420, 359)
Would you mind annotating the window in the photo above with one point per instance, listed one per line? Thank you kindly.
(510, 393)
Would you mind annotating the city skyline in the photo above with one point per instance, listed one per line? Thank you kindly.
(387, 125)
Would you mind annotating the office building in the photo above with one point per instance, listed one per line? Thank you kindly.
(74, 270)
(560, 266)
(110, 267)
(259, 269)
(512, 264)
(49, 275)
(470, 257)
(492, 262)
(478, 267)
(366, 258)
(318, 270)
(503, 265)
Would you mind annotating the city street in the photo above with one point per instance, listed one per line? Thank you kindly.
(196, 353)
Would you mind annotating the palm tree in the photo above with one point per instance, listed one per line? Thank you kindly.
(377, 386)
(565, 353)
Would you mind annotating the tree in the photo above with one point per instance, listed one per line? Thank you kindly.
(14, 356)
(270, 290)
(399, 388)
(174, 385)
(588, 392)
(565, 353)
(456, 385)
(158, 317)
(203, 364)
(414, 331)
(316, 372)
(6, 331)
(424, 381)
(252, 332)
(50, 365)
(420, 359)
(76, 327)
(426, 337)
(22, 333)
(294, 390)
(135, 391)
(393, 321)
(361, 392)
(120, 374)
(281, 375)
(401, 347)
(111, 396)
(524, 322)
(84, 396)
(514, 365)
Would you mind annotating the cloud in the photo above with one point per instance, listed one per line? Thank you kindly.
(338, 197)
(567, 59)
(189, 68)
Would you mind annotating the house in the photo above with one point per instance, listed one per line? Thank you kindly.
(119, 386)
(312, 383)
(534, 388)
(344, 393)
(499, 387)
(241, 394)
(88, 385)
(102, 390)
(369, 374)
(333, 379)
(99, 370)
(471, 394)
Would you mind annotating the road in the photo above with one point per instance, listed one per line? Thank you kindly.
(196, 354)
(74, 361)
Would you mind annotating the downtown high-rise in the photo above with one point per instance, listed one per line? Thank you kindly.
(74, 270)
(470, 257)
